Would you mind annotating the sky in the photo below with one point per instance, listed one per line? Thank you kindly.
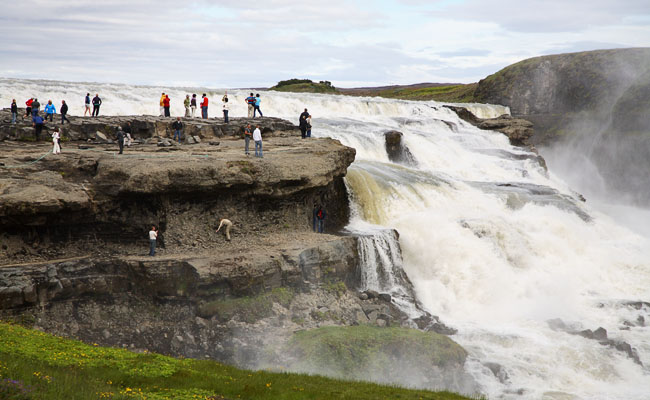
(352, 43)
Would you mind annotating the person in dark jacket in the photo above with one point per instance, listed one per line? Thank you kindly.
(120, 138)
(302, 123)
(38, 122)
(64, 112)
(320, 215)
(14, 111)
(178, 127)
(96, 103)
(35, 107)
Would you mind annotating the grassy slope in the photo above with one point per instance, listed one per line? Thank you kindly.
(35, 365)
(457, 93)
(305, 88)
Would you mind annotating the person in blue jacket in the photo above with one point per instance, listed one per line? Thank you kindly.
(38, 122)
(49, 110)
(257, 105)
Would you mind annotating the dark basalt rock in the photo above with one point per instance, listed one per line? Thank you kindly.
(397, 150)
(518, 130)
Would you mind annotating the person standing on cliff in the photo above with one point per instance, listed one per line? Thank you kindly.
(120, 139)
(167, 105)
(127, 133)
(153, 235)
(320, 215)
(178, 127)
(186, 103)
(87, 105)
(228, 224)
(14, 111)
(309, 126)
(248, 134)
(250, 100)
(64, 112)
(226, 108)
(97, 102)
(162, 104)
(314, 217)
(50, 110)
(56, 136)
(204, 107)
(257, 105)
(193, 104)
(302, 123)
(257, 137)
(35, 107)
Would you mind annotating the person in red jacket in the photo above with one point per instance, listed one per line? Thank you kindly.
(166, 102)
(204, 107)
(28, 110)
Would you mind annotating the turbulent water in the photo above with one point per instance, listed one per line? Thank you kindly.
(493, 244)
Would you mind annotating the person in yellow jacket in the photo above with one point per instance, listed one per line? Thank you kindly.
(162, 105)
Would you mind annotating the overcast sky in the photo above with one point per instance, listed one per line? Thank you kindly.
(234, 43)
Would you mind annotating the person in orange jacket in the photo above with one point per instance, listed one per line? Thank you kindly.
(162, 104)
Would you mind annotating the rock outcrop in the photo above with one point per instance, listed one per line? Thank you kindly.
(396, 149)
(518, 130)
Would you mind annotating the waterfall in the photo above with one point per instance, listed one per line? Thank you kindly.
(492, 243)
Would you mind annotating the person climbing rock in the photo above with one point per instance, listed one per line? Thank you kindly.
(228, 224)
(38, 122)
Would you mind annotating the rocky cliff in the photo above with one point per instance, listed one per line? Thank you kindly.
(74, 241)
(592, 104)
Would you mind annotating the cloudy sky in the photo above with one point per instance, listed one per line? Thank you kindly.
(234, 43)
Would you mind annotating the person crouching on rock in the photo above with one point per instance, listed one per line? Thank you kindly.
(153, 235)
(228, 224)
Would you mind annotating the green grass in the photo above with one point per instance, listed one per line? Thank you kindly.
(35, 365)
(352, 351)
(305, 88)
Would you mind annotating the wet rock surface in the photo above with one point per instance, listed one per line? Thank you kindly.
(397, 150)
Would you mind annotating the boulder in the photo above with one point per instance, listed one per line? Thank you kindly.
(397, 151)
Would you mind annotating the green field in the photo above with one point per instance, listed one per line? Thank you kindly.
(35, 365)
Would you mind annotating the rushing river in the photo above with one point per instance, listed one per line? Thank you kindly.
(493, 244)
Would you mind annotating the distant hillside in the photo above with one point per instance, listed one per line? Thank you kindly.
(304, 86)
(448, 92)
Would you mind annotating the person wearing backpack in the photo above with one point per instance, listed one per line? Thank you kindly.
(320, 215)
(250, 100)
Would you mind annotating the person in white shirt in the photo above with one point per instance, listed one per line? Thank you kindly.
(257, 137)
(228, 224)
(153, 235)
(55, 140)
(226, 108)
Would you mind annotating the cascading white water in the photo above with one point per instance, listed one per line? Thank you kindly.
(492, 243)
